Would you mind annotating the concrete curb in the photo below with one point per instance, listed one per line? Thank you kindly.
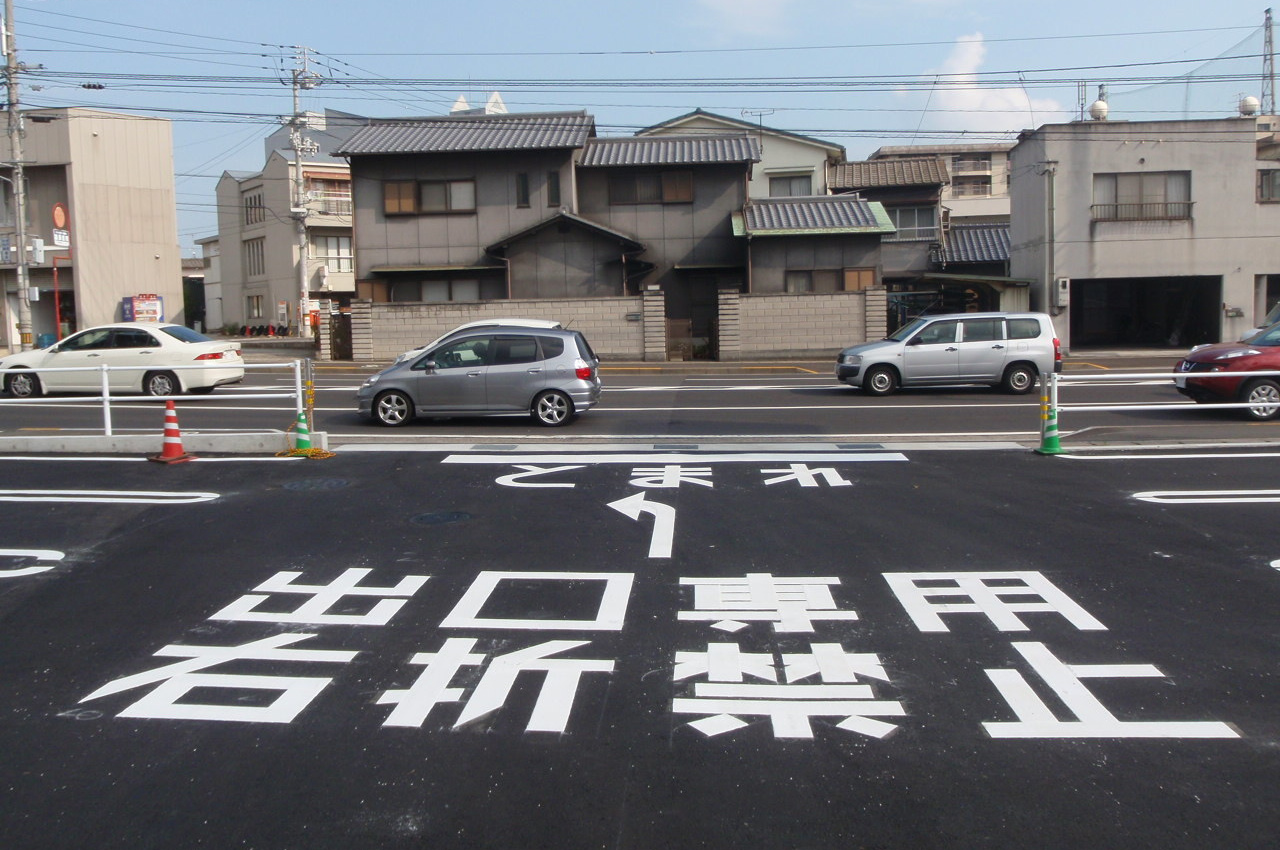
(263, 442)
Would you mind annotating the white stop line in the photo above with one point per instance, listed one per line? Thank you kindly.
(1208, 497)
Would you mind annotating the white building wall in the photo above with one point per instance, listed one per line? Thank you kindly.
(1229, 235)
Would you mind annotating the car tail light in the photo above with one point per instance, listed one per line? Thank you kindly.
(583, 371)
(1057, 350)
(212, 355)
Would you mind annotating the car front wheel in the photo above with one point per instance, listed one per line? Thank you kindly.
(161, 383)
(1263, 391)
(879, 380)
(552, 408)
(393, 409)
(23, 385)
(1019, 379)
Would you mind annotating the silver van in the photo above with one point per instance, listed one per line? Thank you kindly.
(551, 375)
(1007, 350)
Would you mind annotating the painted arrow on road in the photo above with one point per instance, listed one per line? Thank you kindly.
(664, 521)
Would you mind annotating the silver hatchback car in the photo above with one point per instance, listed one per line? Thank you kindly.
(551, 375)
(1007, 350)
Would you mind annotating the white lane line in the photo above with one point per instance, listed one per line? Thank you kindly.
(706, 456)
(115, 459)
(128, 497)
(1196, 456)
(1208, 497)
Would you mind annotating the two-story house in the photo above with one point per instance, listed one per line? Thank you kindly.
(644, 242)
(1149, 233)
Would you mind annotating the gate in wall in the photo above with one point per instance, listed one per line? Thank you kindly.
(339, 336)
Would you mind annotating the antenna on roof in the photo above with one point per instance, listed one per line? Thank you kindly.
(1268, 69)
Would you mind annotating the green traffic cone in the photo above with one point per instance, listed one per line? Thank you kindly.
(1049, 443)
(303, 438)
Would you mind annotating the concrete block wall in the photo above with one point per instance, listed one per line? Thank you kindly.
(811, 325)
(384, 330)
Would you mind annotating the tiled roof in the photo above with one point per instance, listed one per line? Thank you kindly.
(816, 214)
(673, 124)
(881, 173)
(670, 150)
(977, 243)
(519, 131)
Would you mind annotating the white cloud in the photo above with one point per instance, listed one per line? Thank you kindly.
(970, 106)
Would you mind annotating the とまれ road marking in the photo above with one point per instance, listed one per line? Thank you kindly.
(1208, 497)
(38, 554)
(106, 497)
(664, 521)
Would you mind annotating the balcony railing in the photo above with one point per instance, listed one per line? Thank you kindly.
(1161, 211)
(330, 203)
(971, 166)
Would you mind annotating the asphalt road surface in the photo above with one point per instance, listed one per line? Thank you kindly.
(797, 648)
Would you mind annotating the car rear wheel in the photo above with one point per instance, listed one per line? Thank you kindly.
(161, 383)
(1262, 391)
(880, 380)
(552, 408)
(393, 409)
(1019, 379)
(23, 385)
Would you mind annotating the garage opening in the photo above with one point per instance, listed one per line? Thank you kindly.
(1176, 312)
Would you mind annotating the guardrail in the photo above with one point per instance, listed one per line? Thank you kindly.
(1051, 407)
(302, 400)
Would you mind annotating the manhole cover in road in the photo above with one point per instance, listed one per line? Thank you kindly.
(439, 518)
(309, 484)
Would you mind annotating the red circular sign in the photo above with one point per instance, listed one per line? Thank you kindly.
(60, 216)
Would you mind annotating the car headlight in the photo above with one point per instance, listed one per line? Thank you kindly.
(371, 380)
(1247, 352)
(851, 359)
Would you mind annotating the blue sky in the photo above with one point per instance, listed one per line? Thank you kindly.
(861, 73)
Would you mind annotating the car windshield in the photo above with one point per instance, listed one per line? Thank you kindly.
(185, 334)
(1266, 336)
(902, 333)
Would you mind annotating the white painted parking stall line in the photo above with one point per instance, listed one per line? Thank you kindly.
(1208, 497)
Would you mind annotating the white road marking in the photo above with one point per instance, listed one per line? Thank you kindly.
(130, 497)
(679, 457)
(1208, 497)
(38, 554)
(664, 521)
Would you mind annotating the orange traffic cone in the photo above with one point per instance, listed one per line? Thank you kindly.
(172, 451)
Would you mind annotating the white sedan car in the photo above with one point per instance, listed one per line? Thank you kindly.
(141, 356)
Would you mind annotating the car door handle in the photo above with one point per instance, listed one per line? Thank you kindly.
(535, 371)
(997, 346)
(475, 374)
(95, 355)
(951, 348)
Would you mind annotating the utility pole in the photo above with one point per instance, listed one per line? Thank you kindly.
(19, 181)
(303, 79)
(1268, 70)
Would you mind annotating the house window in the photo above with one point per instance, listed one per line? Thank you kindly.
(971, 162)
(913, 223)
(446, 196)
(1269, 186)
(553, 188)
(1142, 196)
(522, 189)
(813, 280)
(253, 306)
(651, 187)
(856, 280)
(332, 251)
(253, 211)
(790, 185)
(255, 257)
(438, 291)
(399, 197)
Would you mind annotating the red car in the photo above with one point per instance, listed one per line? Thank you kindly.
(1257, 353)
